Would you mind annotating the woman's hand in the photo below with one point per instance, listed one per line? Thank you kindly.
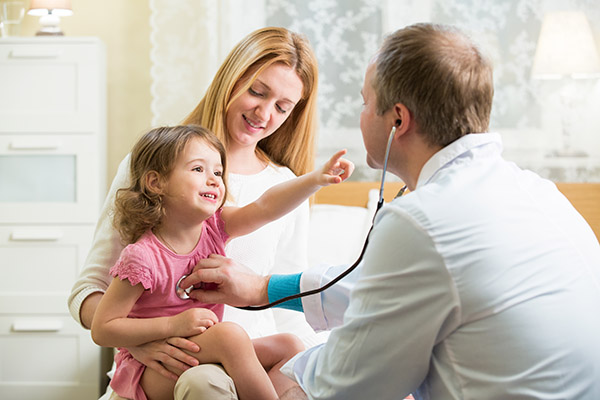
(171, 352)
(166, 352)
(192, 322)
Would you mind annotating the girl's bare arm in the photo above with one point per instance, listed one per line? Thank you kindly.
(112, 328)
(285, 197)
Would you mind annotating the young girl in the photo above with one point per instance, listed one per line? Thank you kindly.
(172, 213)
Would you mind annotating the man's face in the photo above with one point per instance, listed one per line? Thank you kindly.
(372, 125)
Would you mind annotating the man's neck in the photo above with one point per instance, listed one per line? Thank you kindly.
(414, 154)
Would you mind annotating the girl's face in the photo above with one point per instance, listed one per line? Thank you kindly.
(260, 111)
(194, 189)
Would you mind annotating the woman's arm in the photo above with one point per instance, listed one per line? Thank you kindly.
(106, 247)
(111, 326)
(283, 198)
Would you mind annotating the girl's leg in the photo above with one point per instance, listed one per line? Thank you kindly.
(228, 344)
(156, 386)
(273, 352)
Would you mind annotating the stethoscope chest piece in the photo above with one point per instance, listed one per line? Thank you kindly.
(182, 293)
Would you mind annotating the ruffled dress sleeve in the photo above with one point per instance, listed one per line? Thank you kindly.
(135, 266)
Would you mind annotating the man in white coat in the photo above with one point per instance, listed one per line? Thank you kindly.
(483, 282)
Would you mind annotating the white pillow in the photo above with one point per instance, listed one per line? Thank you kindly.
(337, 233)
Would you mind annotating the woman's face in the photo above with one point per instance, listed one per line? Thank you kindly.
(260, 110)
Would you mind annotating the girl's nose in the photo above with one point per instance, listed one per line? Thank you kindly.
(213, 180)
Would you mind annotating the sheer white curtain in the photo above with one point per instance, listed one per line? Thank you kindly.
(190, 38)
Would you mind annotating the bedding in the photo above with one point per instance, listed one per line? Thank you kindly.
(337, 232)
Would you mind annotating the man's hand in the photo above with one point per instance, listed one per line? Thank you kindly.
(166, 352)
(221, 280)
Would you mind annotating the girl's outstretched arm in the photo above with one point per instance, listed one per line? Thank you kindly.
(283, 198)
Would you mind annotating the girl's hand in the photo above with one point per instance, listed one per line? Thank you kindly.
(336, 170)
(192, 322)
(166, 352)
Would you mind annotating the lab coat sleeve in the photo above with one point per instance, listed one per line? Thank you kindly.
(106, 248)
(324, 311)
(403, 303)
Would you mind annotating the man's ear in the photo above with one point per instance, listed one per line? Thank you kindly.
(403, 118)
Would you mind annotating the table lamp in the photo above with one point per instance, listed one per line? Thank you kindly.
(50, 12)
(566, 49)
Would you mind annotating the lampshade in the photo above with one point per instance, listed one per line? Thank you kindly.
(49, 12)
(566, 47)
(60, 8)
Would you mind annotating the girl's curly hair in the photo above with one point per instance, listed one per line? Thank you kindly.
(138, 208)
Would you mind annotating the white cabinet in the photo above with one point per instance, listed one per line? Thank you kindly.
(52, 184)
(51, 85)
(49, 178)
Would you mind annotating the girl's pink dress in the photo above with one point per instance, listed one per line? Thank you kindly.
(158, 269)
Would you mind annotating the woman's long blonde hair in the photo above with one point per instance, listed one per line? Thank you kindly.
(138, 207)
(293, 144)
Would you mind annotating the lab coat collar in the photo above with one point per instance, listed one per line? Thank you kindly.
(449, 153)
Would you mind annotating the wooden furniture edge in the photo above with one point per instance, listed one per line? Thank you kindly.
(585, 197)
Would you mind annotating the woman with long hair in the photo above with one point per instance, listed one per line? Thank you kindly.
(262, 106)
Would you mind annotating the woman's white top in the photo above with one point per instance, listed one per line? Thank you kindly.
(279, 247)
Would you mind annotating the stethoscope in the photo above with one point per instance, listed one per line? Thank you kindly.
(184, 293)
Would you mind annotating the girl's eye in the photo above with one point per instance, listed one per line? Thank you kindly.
(280, 109)
(218, 173)
(198, 169)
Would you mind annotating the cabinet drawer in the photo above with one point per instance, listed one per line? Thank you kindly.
(47, 357)
(49, 179)
(52, 86)
(39, 265)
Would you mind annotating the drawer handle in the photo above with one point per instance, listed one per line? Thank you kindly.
(37, 326)
(26, 235)
(35, 54)
(34, 145)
